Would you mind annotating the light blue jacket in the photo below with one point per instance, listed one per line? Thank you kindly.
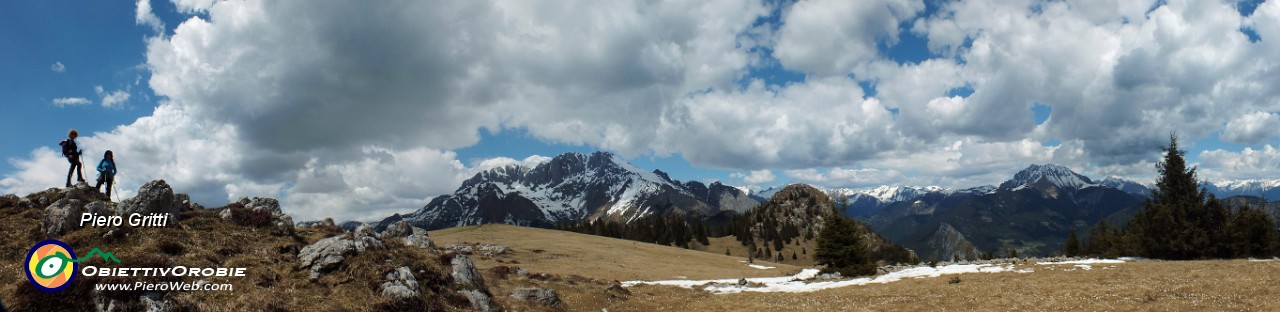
(107, 167)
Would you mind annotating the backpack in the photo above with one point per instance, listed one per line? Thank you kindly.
(68, 148)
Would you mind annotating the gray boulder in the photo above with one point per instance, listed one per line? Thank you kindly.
(400, 284)
(327, 254)
(543, 296)
(411, 235)
(479, 300)
(100, 208)
(153, 197)
(420, 241)
(62, 216)
(464, 273)
(399, 229)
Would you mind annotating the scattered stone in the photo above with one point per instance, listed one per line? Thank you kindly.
(522, 273)
(479, 300)
(742, 282)
(543, 296)
(183, 202)
(153, 197)
(400, 284)
(486, 250)
(464, 272)
(153, 303)
(62, 216)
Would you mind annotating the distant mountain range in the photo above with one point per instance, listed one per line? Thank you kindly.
(574, 187)
(1032, 212)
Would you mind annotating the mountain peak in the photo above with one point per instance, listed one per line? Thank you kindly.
(1046, 175)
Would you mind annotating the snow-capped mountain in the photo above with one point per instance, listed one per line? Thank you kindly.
(893, 194)
(570, 188)
(1268, 189)
(1131, 187)
(1047, 177)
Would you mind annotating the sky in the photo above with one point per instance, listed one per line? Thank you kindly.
(357, 110)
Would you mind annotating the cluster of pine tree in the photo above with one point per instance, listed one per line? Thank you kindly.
(1181, 221)
(750, 229)
(670, 231)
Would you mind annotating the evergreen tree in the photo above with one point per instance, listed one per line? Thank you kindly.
(840, 248)
(1072, 248)
(1252, 233)
(1178, 221)
(1101, 239)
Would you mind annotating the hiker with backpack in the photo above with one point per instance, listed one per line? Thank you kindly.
(106, 173)
(72, 153)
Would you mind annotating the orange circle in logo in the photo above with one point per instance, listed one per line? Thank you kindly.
(50, 265)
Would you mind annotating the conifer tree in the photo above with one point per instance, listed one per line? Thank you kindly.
(1072, 248)
(840, 248)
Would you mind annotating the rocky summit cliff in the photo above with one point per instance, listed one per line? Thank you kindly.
(573, 187)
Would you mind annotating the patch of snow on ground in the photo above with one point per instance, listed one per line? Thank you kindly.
(761, 266)
(1085, 267)
(1085, 261)
(1263, 260)
(796, 283)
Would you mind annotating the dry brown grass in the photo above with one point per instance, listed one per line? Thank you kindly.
(583, 269)
(568, 253)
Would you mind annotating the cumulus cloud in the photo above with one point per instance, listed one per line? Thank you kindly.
(71, 101)
(113, 99)
(144, 16)
(1252, 128)
(829, 37)
(316, 102)
(755, 177)
(1220, 165)
(57, 67)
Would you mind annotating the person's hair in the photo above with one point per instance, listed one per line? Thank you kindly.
(107, 155)
(73, 133)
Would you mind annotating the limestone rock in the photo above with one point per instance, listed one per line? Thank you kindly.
(420, 241)
(543, 296)
(153, 197)
(62, 216)
(327, 254)
(464, 273)
(400, 284)
(479, 300)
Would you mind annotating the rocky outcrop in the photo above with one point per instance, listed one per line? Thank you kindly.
(465, 276)
(400, 284)
(464, 272)
(409, 234)
(327, 254)
(62, 216)
(949, 245)
(543, 296)
(259, 211)
(479, 300)
(153, 197)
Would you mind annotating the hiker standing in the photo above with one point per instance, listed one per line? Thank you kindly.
(72, 153)
(106, 173)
